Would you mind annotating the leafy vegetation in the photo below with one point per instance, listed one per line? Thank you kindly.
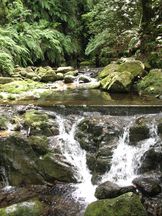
(57, 32)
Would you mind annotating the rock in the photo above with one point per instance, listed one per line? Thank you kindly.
(119, 77)
(49, 76)
(4, 80)
(38, 123)
(3, 122)
(64, 69)
(18, 87)
(99, 140)
(32, 207)
(151, 83)
(84, 79)
(148, 186)
(28, 163)
(139, 131)
(125, 205)
(90, 85)
(56, 168)
(39, 144)
(151, 160)
(72, 73)
(159, 126)
(69, 79)
(109, 189)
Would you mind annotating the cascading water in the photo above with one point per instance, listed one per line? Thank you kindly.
(76, 156)
(126, 158)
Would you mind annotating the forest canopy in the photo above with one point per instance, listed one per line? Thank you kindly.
(58, 32)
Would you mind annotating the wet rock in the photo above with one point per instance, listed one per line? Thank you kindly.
(151, 160)
(55, 167)
(148, 186)
(124, 205)
(160, 126)
(32, 207)
(39, 144)
(151, 83)
(26, 162)
(139, 131)
(84, 79)
(38, 123)
(111, 190)
(72, 73)
(99, 140)
(69, 79)
(64, 69)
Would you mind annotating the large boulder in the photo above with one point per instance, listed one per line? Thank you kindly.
(109, 189)
(26, 163)
(64, 69)
(151, 83)
(120, 77)
(125, 205)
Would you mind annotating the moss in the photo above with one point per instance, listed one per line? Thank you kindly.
(111, 68)
(3, 122)
(39, 144)
(125, 205)
(136, 68)
(35, 118)
(152, 83)
(32, 208)
(17, 87)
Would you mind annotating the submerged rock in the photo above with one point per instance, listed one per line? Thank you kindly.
(109, 189)
(125, 205)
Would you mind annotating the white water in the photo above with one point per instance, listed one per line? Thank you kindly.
(76, 156)
(127, 158)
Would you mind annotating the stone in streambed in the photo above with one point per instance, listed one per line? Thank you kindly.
(125, 205)
(148, 186)
(64, 69)
(111, 190)
(69, 79)
(139, 131)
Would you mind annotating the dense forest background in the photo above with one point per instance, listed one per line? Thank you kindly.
(58, 32)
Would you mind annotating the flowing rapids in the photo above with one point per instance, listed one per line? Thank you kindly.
(125, 161)
(76, 156)
(126, 158)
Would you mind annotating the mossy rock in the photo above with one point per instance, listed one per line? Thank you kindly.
(111, 68)
(151, 83)
(4, 80)
(125, 205)
(56, 169)
(117, 82)
(30, 208)
(39, 144)
(120, 77)
(18, 87)
(3, 122)
(160, 126)
(38, 123)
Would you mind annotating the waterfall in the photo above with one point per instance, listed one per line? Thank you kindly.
(127, 158)
(76, 156)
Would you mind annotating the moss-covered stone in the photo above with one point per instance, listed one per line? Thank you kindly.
(151, 83)
(38, 123)
(56, 169)
(17, 87)
(160, 126)
(119, 77)
(39, 144)
(32, 208)
(3, 122)
(4, 80)
(126, 205)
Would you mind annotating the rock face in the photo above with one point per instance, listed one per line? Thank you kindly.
(125, 205)
(120, 77)
(111, 190)
(151, 83)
